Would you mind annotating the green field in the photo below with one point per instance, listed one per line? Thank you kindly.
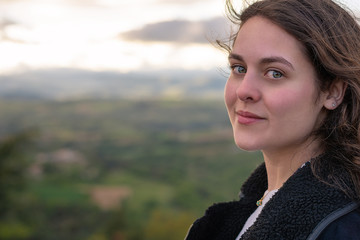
(101, 169)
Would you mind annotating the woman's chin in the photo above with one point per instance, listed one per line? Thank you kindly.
(247, 146)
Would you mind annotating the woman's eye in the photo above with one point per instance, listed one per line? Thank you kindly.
(239, 69)
(275, 74)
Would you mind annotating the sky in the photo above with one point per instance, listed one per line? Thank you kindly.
(121, 35)
(112, 35)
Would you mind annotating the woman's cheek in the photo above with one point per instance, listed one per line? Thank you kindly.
(230, 93)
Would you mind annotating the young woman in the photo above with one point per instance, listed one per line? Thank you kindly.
(294, 94)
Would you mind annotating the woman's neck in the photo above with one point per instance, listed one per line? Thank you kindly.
(280, 165)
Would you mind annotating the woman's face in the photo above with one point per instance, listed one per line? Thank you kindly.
(271, 95)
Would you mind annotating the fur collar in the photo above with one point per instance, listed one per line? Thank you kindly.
(292, 213)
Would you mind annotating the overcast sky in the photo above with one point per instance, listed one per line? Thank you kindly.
(120, 35)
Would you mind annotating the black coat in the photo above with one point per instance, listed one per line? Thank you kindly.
(303, 208)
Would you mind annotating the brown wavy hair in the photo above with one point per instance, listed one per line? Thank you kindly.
(331, 36)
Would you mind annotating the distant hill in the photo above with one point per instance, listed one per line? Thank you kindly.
(65, 84)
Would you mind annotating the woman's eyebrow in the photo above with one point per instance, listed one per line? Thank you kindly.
(266, 60)
(235, 56)
(277, 59)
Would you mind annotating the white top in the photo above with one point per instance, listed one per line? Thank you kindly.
(251, 220)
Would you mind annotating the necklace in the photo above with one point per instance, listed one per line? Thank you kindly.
(259, 202)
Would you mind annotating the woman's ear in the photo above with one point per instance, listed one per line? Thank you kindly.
(335, 94)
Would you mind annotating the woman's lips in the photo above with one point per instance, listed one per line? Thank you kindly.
(247, 118)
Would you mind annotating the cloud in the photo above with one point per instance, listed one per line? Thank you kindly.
(5, 22)
(183, 2)
(181, 31)
(86, 3)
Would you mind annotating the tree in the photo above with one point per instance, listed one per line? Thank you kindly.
(13, 166)
(168, 225)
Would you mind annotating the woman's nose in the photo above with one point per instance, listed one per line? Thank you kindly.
(248, 89)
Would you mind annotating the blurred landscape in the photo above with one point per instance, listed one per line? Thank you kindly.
(68, 83)
(100, 168)
(113, 127)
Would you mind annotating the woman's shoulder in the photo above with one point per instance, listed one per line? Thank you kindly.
(345, 227)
